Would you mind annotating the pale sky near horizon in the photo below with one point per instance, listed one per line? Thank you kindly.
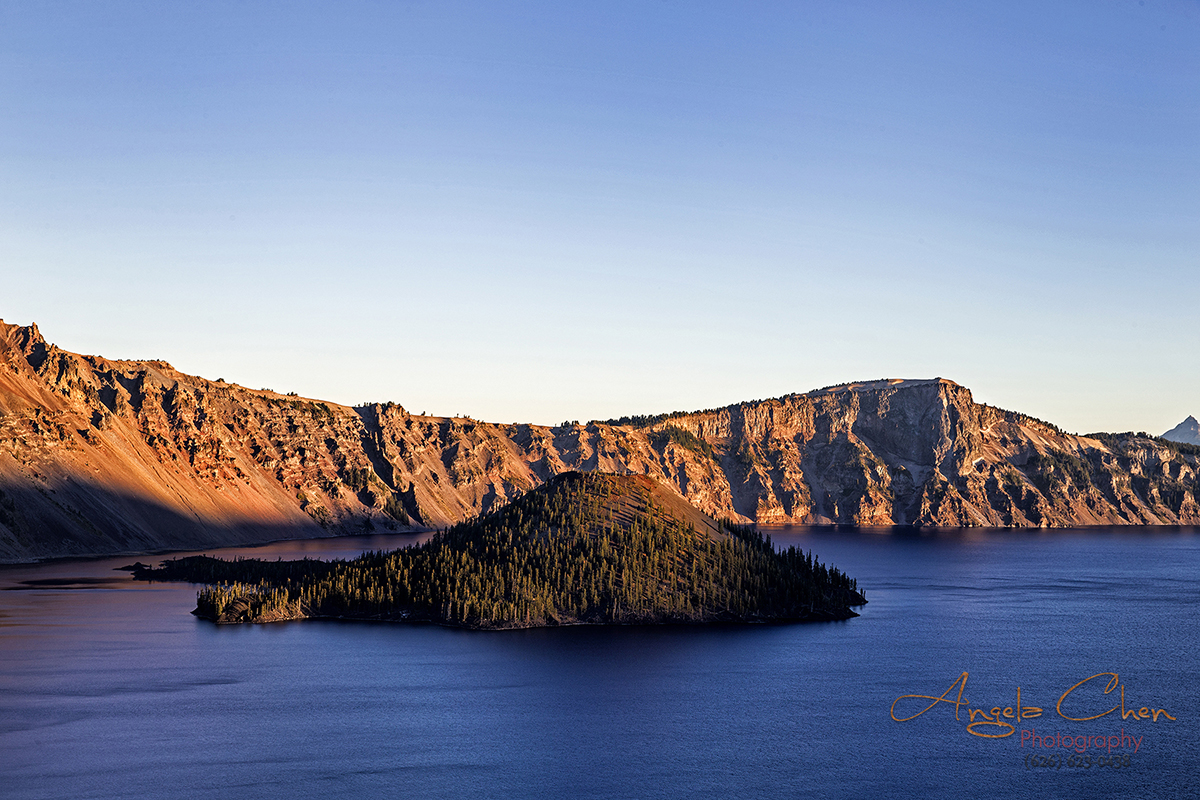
(549, 211)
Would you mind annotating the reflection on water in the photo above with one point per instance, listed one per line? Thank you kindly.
(65, 583)
(110, 688)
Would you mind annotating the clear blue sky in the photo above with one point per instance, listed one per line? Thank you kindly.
(535, 212)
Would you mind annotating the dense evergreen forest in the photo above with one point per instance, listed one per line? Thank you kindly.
(584, 548)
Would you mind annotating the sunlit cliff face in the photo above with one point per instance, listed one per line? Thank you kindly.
(114, 456)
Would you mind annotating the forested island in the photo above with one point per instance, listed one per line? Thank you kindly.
(582, 549)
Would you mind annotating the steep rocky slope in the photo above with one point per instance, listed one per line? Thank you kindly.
(101, 456)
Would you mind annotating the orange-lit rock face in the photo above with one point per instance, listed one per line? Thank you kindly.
(101, 456)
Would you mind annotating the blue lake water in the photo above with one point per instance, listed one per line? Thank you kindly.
(110, 688)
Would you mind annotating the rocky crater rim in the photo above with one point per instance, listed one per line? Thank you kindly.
(100, 456)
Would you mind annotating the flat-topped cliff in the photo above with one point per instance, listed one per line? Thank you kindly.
(101, 456)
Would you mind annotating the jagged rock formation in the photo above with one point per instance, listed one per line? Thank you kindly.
(1186, 432)
(100, 456)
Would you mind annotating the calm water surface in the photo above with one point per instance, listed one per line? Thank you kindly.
(110, 688)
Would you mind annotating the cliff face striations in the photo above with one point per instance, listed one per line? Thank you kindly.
(100, 456)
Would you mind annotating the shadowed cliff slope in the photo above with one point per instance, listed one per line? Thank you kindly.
(100, 456)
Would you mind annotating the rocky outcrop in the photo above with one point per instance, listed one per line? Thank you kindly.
(100, 456)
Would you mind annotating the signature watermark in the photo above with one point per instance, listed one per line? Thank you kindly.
(1083, 702)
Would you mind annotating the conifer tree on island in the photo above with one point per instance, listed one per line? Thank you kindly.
(583, 548)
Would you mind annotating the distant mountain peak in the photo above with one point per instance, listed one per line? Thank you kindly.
(1186, 432)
